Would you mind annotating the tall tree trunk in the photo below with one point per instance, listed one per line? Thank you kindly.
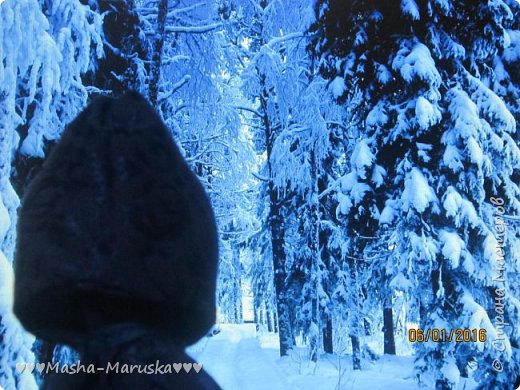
(277, 243)
(256, 320)
(240, 310)
(356, 352)
(388, 327)
(260, 317)
(323, 241)
(315, 330)
(355, 314)
(327, 335)
(237, 284)
(269, 322)
(313, 245)
(157, 54)
(277, 231)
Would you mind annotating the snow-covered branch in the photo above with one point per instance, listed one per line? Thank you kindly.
(366, 259)
(259, 177)
(175, 87)
(249, 109)
(118, 52)
(198, 155)
(285, 38)
(202, 140)
(97, 91)
(332, 187)
(176, 58)
(143, 11)
(177, 11)
(239, 232)
(193, 29)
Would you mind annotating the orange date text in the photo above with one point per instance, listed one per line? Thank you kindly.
(457, 335)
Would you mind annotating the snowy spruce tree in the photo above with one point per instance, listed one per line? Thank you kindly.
(254, 25)
(436, 83)
(357, 207)
(288, 112)
(43, 56)
(192, 81)
(126, 61)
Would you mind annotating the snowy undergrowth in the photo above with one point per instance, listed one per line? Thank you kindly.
(240, 358)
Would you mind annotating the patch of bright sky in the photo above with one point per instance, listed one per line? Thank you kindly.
(246, 42)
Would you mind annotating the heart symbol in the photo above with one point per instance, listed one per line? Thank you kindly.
(177, 367)
(40, 367)
(29, 367)
(197, 367)
(187, 367)
(20, 367)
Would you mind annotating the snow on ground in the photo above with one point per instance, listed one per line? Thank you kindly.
(235, 360)
(239, 359)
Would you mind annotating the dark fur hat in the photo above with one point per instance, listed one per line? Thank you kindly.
(116, 228)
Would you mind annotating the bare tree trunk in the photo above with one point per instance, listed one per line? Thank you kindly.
(277, 232)
(356, 352)
(269, 321)
(313, 244)
(327, 336)
(325, 207)
(314, 343)
(157, 54)
(237, 285)
(261, 315)
(355, 320)
(277, 243)
(388, 327)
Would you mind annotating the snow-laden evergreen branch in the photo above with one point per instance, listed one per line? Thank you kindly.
(174, 88)
(282, 39)
(193, 29)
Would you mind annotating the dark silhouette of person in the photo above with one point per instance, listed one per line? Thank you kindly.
(117, 252)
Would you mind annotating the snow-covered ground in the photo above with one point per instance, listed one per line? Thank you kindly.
(239, 359)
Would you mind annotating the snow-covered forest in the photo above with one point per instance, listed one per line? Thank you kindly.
(362, 159)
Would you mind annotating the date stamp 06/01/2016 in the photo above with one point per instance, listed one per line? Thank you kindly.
(457, 335)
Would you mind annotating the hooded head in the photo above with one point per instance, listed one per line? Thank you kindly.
(114, 229)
